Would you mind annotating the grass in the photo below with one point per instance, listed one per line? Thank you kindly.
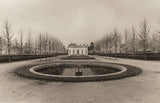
(73, 57)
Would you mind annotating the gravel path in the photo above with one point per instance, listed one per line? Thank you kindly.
(144, 88)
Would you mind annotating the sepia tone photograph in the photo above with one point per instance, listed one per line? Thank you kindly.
(79, 51)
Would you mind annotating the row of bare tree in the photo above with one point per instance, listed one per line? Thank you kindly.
(130, 41)
(44, 43)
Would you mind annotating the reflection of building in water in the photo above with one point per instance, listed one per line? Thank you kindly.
(74, 49)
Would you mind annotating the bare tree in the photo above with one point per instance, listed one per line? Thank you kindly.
(126, 41)
(35, 44)
(40, 45)
(133, 40)
(29, 42)
(144, 35)
(144, 32)
(154, 42)
(53, 46)
(46, 42)
(1, 45)
(15, 46)
(21, 41)
(106, 39)
(6, 31)
(116, 37)
(103, 45)
(49, 46)
(110, 43)
(120, 44)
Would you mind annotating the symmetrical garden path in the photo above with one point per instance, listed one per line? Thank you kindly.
(144, 88)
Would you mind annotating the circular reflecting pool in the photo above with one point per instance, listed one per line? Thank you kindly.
(84, 70)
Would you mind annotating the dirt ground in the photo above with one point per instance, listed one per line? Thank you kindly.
(144, 88)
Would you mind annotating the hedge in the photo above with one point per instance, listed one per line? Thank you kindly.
(140, 56)
(5, 58)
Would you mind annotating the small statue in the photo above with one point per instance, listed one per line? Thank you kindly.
(78, 70)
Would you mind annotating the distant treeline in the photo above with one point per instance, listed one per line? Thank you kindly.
(27, 43)
(130, 41)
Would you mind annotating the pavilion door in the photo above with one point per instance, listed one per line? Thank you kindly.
(78, 51)
(73, 52)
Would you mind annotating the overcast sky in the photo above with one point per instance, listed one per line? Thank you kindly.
(79, 21)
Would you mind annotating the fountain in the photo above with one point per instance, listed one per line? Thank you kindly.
(78, 72)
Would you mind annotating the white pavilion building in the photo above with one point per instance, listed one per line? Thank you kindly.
(74, 49)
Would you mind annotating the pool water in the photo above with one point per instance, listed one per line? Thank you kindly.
(71, 71)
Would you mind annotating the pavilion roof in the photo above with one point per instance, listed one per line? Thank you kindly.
(73, 45)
